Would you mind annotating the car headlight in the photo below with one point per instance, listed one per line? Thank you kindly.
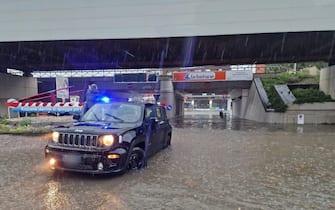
(55, 136)
(107, 140)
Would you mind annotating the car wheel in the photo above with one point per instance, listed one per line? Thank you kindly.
(136, 159)
(168, 141)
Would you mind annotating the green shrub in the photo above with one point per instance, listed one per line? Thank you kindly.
(27, 130)
(310, 96)
(304, 75)
(24, 123)
(4, 128)
(275, 101)
(284, 78)
(4, 121)
(293, 80)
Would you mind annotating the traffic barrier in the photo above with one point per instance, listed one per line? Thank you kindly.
(46, 107)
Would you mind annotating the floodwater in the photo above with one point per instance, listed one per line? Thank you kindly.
(213, 163)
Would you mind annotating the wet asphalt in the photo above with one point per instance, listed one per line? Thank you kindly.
(213, 163)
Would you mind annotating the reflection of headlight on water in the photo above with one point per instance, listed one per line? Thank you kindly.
(112, 199)
(52, 163)
(54, 198)
(43, 167)
(53, 188)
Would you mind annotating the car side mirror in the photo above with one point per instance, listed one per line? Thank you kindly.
(76, 117)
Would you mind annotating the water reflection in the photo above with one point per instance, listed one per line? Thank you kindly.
(111, 200)
(213, 163)
(55, 199)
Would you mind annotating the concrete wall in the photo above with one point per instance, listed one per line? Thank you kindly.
(256, 111)
(236, 103)
(15, 87)
(237, 108)
(82, 19)
(315, 113)
(327, 81)
(239, 102)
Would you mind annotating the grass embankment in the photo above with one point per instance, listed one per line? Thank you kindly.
(302, 95)
(23, 127)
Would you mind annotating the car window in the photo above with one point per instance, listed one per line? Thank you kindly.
(148, 113)
(159, 113)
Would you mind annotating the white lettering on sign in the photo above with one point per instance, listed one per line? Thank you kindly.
(200, 76)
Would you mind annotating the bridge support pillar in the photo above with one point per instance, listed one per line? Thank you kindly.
(179, 108)
(167, 96)
(229, 105)
(327, 81)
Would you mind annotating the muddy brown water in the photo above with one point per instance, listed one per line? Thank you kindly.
(213, 163)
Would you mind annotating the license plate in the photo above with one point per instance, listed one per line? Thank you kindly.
(70, 159)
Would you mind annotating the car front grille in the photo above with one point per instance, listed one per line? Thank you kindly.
(78, 140)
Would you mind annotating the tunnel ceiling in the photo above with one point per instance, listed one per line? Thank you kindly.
(168, 52)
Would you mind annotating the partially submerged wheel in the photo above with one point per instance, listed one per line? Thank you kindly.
(136, 159)
(168, 141)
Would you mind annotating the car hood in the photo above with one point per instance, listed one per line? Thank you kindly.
(93, 128)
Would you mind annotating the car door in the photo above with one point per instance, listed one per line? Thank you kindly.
(152, 133)
(162, 127)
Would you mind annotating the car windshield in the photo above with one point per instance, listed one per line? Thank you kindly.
(114, 112)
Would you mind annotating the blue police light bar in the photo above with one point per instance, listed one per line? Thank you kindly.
(105, 99)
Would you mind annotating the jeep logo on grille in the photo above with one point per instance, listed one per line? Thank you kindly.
(78, 131)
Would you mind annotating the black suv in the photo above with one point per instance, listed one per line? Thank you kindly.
(110, 137)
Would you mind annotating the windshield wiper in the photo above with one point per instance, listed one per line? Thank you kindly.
(95, 115)
(115, 117)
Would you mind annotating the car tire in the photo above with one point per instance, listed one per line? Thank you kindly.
(168, 141)
(136, 159)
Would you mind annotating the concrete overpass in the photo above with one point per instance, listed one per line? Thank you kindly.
(50, 35)
(282, 47)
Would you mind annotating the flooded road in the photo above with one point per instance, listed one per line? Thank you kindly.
(213, 163)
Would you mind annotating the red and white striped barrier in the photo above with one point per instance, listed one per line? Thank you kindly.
(46, 107)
